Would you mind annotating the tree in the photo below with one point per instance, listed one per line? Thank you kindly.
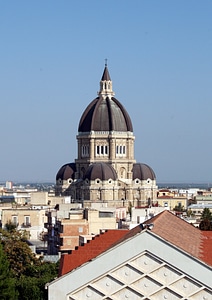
(206, 214)
(19, 254)
(206, 219)
(10, 226)
(7, 283)
(29, 272)
(31, 286)
(179, 207)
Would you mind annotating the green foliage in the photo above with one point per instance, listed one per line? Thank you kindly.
(10, 226)
(28, 288)
(179, 208)
(206, 219)
(189, 213)
(32, 285)
(30, 274)
(206, 214)
(18, 252)
(7, 283)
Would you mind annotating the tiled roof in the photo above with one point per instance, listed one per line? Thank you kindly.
(206, 246)
(90, 250)
(177, 232)
(166, 225)
(183, 235)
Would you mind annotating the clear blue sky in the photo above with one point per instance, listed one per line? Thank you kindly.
(159, 58)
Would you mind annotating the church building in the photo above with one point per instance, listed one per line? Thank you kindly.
(105, 169)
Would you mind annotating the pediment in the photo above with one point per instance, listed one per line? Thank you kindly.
(143, 277)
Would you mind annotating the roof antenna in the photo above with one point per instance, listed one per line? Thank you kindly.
(105, 62)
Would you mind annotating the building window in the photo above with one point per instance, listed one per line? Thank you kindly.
(106, 214)
(15, 220)
(85, 150)
(27, 220)
(97, 150)
(121, 150)
(102, 150)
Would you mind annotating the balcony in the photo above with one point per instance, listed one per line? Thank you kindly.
(25, 225)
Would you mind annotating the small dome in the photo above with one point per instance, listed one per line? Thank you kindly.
(66, 171)
(143, 172)
(101, 171)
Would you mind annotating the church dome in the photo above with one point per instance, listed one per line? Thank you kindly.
(100, 170)
(105, 113)
(143, 172)
(66, 171)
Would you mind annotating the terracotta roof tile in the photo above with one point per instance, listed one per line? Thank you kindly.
(183, 235)
(206, 246)
(90, 250)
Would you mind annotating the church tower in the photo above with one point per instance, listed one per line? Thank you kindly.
(105, 169)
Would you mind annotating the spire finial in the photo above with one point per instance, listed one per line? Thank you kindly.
(105, 62)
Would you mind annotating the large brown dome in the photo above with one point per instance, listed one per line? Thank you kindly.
(105, 115)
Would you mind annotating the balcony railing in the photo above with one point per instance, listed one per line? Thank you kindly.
(26, 225)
